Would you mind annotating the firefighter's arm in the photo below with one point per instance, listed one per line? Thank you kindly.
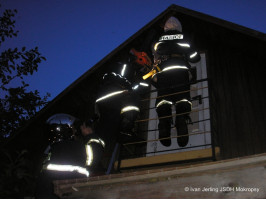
(94, 152)
(193, 57)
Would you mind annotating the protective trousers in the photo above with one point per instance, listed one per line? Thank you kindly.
(173, 89)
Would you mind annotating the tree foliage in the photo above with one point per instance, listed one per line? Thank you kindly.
(15, 176)
(17, 106)
(17, 103)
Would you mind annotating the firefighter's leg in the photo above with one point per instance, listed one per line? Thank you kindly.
(108, 124)
(163, 109)
(193, 74)
(183, 107)
(128, 117)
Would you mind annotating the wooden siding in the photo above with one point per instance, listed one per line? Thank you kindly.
(236, 71)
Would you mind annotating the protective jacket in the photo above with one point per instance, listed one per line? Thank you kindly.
(173, 53)
(67, 160)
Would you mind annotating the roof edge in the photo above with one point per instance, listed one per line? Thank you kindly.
(218, 21)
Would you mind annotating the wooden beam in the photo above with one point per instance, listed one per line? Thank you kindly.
(183, 182)
(167, 158)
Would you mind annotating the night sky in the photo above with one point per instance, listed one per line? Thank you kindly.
(74, 35)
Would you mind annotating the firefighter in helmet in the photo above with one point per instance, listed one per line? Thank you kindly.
(172, 55)
(67, 157)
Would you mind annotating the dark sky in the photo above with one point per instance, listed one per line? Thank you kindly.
(74, 35)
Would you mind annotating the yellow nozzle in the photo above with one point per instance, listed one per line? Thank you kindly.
(149, 74)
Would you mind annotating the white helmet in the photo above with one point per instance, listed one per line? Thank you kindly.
(60, 127)
(172, 24)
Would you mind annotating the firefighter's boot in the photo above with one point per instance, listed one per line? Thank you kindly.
(183, 107)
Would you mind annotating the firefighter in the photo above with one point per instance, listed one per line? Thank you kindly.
(67, 157)
(119, 96)
(172, 54)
